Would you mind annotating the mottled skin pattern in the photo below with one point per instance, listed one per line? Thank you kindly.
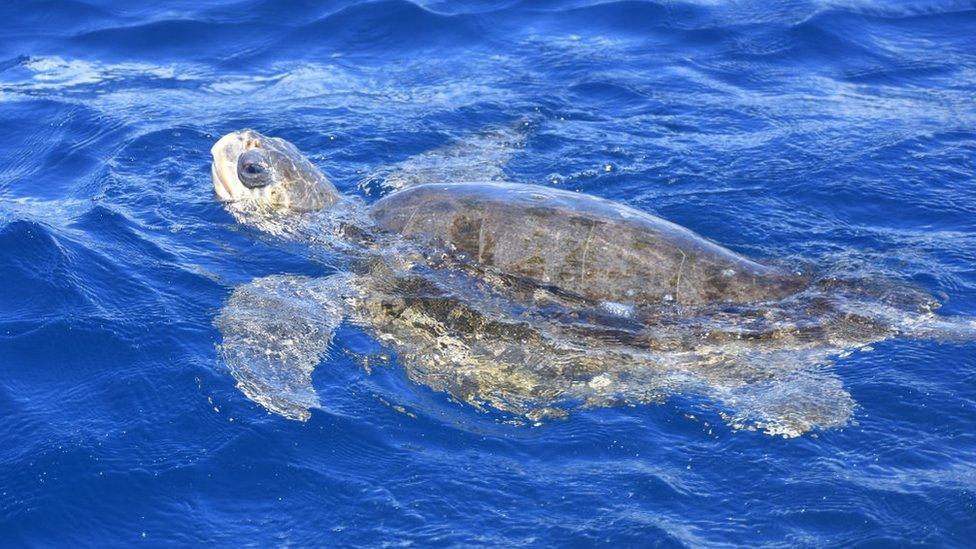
(594, 248)
(298, 185)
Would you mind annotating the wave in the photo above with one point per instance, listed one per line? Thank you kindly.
(41, 281)
(387, 26)
(59, 17)
(170, 39)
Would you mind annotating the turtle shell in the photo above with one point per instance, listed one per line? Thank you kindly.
(595, 248)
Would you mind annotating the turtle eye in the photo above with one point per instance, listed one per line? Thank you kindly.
(253, 169)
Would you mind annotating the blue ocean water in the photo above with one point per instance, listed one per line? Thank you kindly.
(834, 131)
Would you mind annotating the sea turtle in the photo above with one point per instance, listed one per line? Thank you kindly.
(530, 299)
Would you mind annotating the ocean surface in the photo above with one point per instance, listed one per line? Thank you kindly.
(838, 132)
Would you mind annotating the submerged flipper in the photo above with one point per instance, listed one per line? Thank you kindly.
(479, 157)
(275, 332)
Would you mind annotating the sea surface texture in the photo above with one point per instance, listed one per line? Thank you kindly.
(837, 133)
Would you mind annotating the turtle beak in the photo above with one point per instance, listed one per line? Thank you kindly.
(223, 168)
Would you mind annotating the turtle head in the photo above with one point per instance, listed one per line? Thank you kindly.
(248, 166)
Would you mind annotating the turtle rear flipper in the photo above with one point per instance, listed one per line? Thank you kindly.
(275, 331)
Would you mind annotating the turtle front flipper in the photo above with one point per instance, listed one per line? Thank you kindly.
(275, 331)
(480, 157)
